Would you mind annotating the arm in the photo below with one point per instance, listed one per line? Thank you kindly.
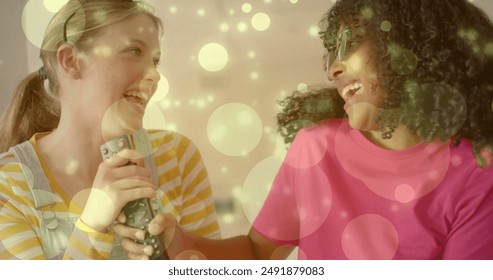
(23, 235)
(470, 234)
(182, 245)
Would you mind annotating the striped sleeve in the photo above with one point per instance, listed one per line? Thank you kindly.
(184, 179)
(20, 232)
(88, 244)
(18, 239)
(198, 212)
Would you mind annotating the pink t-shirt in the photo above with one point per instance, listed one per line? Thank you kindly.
(339, 196)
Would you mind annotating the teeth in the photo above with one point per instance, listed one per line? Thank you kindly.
(139, 94)
(349, 87)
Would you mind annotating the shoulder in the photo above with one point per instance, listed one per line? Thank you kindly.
(321, 131)
(14, 176)
(167, 138)
(171, 141)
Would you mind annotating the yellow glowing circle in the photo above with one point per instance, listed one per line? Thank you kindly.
(242, 27)
(224, 27)
(302, 87)
(313, 31)
(54, 5)
(385, 26)
(293, 1)
(162, 90)
(246, 8)
(234, 129)
(488, 49)
(35, 18)
(153, 117)
(260, 21)
(213, 57)
(257, 186)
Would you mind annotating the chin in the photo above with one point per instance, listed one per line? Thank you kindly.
(362, 116)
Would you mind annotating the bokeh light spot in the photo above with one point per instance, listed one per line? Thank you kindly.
(153, 117)
(367, 13)
(234, 129)
(35, 18)
(213, 57)
(488, 49)
(293, 1)
(162, 90)
(313, 31)
(253, 194)
(370, 237)
(242, 27)
(54, 5)
(246, 8)
(224, 27)
(456, 160)
(385, 26)
(72, 167)
(200, 12)
(403, 61)
(302, 88)
(254, 76)
(260, 21)
(404, 193)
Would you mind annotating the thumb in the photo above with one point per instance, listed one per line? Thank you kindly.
(161, 222)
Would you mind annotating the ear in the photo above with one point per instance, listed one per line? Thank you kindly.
(68, 61)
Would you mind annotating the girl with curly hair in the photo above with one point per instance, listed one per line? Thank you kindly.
(395, 162)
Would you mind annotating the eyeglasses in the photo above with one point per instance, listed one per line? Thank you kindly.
(337, 48)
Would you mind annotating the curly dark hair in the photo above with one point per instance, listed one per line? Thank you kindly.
(434, 60)
(301, 110)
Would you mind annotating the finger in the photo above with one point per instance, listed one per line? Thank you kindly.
(121, 218)
(135, 248)
(130, 154)
(131, 171)
(160, 223)
(116, 161)
(133, 194)
(131, 183)
(129, 232)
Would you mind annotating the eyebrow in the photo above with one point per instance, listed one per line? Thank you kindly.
(143, 44)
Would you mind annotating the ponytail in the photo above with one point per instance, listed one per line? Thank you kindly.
(30, 110)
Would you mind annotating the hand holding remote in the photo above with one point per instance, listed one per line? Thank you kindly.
(138, 213)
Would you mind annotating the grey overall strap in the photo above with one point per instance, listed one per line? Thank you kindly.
(36, 178)
(144, 146)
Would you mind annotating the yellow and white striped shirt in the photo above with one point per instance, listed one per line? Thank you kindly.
(184, 190)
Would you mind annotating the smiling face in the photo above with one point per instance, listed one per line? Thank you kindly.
(119, 75)
(357, 84)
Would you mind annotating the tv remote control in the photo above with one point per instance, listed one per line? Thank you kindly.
(139, 212)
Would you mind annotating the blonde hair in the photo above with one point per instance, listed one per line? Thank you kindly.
(32, 107)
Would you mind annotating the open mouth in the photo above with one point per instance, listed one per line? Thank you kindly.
(137, 97)
(351, 90)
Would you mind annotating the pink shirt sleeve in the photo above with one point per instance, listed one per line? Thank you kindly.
(471, 233)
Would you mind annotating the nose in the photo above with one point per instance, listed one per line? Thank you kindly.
(335, 69)
(152, 74)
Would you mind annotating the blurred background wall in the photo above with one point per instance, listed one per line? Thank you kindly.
(224, 66)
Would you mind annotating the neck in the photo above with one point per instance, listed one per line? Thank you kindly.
(72, 152)
(401, 139)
